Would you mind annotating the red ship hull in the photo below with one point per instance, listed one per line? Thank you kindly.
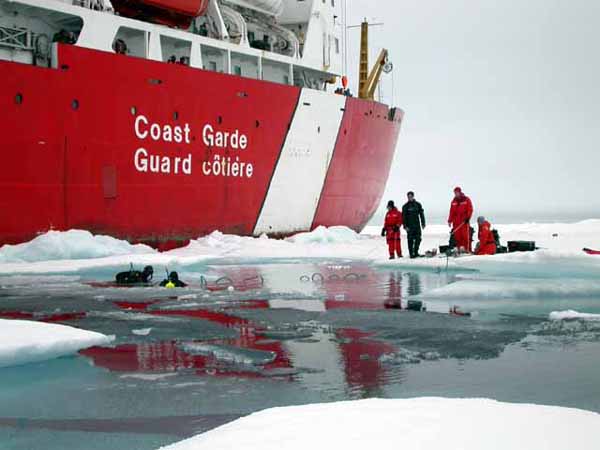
(129, 148)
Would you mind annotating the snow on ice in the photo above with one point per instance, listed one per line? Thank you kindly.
(573, 315)
(419, 423)
(23, 341)
(74, 251)
(522, 288)
(72, 244)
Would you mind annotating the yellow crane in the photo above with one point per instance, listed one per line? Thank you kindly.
(368, 81)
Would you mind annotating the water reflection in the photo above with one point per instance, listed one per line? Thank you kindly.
(328, 326)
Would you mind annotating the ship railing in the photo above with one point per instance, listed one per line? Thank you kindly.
(16, 38)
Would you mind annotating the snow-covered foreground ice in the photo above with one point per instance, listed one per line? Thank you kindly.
(420, 423)
(23, 341)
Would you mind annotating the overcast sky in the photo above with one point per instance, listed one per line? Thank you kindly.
(501, 98)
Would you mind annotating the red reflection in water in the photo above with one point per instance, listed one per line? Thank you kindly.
(151, 357)
(136, 306)
(168, 357)
(361, 358)
(15, 315)
(63, 317)
(368, 291)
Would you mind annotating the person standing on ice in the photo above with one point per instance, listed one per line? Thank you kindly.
(459, 219)
(487, 242)
(413, 217)
(391, 230)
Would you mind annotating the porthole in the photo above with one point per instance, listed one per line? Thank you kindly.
(19, 98)
(133, 110)
(176, 115)
(75, 104)
(219, 120)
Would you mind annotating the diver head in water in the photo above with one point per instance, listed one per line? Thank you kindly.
(173, 281)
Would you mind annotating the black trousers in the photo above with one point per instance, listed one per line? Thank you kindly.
(414, 242)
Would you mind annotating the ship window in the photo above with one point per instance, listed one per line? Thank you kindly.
(276, 72)
(19, 99)
(176, 51)
(237, 70)
(75, 104)
(248, 64)
(131, 42)
(215, 59)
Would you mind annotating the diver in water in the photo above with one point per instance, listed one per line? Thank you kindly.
(173, 281)
(135, 276)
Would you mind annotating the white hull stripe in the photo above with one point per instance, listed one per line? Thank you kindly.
(293, 196)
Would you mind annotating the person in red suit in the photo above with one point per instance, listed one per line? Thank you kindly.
(459, 219)
(391, 230)
(487, 243)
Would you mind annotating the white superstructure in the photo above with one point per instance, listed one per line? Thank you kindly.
(296, 42)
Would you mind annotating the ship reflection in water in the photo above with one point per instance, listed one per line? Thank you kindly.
(348, 357)
(240, 339)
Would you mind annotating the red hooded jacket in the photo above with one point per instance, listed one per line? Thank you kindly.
(461, 210)
(487, 243)
(393, 218)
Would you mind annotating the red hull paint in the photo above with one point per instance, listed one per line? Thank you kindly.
(68, 150)
(360, 166)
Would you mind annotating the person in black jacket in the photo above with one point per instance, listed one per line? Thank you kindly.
(173, 281)
(132, 277)
(414, 222)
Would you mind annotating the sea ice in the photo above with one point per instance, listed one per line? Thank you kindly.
(561, 253)
(229, 354)
(72, 244)
(23, 341)
(419, 423)
(324, 235)
(570, 314)
(509, 288)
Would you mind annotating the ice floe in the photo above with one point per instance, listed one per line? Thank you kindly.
(72, 244)
(522, 288)
(23, 341)
(572, 315)
(423, 423)
(74, 251)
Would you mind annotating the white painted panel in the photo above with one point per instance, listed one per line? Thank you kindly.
(293, 196)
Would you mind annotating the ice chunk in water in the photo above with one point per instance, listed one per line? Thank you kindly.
(23, 341)
(142, 331)
(570, 314)
(230, 354)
